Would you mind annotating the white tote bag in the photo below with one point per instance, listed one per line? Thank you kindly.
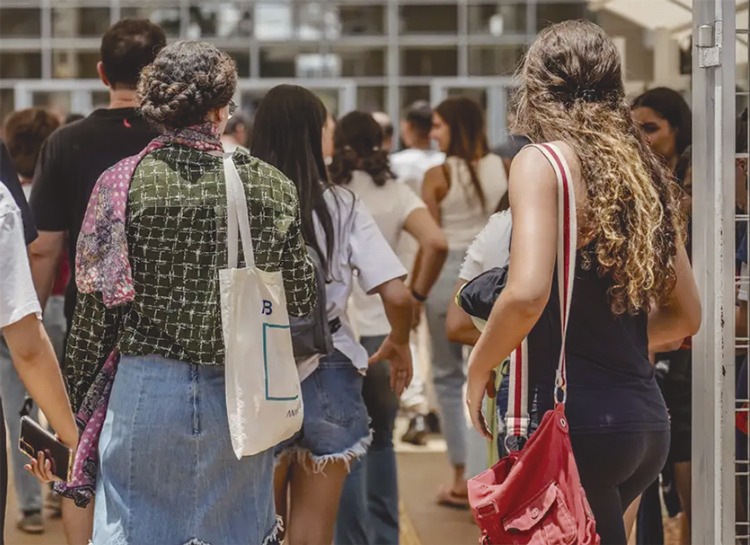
(264, 401)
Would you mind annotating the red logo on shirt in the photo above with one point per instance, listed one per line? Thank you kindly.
(127, 124)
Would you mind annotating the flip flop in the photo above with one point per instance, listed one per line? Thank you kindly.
(450, 498)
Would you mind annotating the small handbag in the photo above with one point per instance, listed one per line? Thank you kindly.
(535, 495)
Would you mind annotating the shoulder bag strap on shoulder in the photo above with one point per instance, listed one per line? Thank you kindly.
(517, 419)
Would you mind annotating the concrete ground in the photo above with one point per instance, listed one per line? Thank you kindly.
(421, 472)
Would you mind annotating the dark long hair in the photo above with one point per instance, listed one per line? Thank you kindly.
(672, 107)
(468, 139)
(287, 133)
(357, 146)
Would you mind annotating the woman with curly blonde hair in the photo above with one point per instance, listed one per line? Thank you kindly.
(148, 259)
(633, 283)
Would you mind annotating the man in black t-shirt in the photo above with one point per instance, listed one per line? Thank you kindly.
(76, 155)
(71, 162)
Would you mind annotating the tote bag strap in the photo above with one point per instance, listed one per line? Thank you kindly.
(517, 418)
(237, 215)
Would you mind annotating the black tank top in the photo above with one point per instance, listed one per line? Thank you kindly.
(611, 383)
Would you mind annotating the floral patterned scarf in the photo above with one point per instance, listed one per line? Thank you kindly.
(102, 265)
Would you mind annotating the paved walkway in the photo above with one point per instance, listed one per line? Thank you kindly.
(421, 472)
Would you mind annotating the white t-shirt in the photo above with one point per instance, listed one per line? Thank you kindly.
(17, 295)
(389, 205)
(491, 247)
(359, 249)
(410, 165)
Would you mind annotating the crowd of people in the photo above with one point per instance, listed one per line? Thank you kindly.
(117, 225)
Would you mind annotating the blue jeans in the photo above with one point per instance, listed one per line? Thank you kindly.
(368, 511)
(13, 393)
(448, 368)
(167, 471)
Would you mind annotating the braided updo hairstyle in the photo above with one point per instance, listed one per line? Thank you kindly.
(357, 144)
(186, 81)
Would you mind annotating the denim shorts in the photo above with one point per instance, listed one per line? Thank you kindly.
(336, 426)
(167, 471)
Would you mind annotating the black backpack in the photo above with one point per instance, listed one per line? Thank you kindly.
(311, 334)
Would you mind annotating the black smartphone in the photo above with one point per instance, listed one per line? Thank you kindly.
(34, 439)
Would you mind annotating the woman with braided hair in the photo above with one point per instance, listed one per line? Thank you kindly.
(153, 242)
(633, 285)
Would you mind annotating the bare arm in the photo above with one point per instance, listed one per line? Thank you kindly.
(433, 249)
(434, 190)
(398, 308)
(44, 255)
(680, 316)
(458, 325)
(533, 198)
(35, 361)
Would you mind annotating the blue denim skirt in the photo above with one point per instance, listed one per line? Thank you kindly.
(167, 472)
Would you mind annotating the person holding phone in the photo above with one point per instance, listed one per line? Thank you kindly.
(29, 345)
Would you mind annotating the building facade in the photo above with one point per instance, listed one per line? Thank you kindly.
(369, 54)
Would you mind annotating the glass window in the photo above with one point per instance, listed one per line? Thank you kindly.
(56, 101)
(20, 65)
(79, 22)
(429, 61)
(280, 61)
(20, 23)
(356, 62)
(371, 99)
(7, 102)
(408, 95)
(167, 17)
(303, 20)
(478, 94)
(362, 20)
(497, 19)
(428, 19)
(330, 99)
(221, 20)
(501, 60)
(242, 58)
(547, 14)
(71, 64)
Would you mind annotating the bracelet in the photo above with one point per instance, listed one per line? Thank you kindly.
(420, 298)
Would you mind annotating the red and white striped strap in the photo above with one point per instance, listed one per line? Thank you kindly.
(517, 418)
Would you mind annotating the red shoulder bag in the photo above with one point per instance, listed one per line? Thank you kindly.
(534, 496)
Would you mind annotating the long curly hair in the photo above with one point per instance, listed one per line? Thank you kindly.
(571, 90)
(357, 144)
(184, 83)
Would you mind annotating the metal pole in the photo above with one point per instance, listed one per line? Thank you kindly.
(713, 258)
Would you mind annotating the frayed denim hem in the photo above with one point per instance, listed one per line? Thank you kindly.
(317, 464)
(271, 539)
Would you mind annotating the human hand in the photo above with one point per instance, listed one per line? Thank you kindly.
(398, 356)
(41, 468)
(479, 383)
